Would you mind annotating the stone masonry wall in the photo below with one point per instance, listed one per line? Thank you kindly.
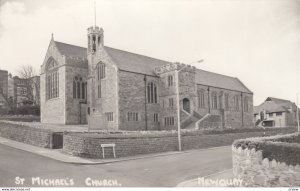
(109, 91)
(132, 99)
(230, 117)
(32, 136)
(73, 107)
(250, 166)
(53, 111)
(88, 145)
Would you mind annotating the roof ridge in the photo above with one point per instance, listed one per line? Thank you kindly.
(69, 44)
(136, 54)
(115, 49)
(216, 73)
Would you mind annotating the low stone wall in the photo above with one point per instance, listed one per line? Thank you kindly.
(88, 144)
(254, 170)
(33, 136)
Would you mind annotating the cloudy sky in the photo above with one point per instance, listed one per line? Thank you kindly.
(257, 41)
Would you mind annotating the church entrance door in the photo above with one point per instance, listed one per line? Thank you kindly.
(186, 105)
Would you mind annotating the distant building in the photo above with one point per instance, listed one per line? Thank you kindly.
(26, 91)
(15, 91)
(274, 112)
(4, 106)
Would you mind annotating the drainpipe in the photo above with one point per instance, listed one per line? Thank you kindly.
(242, 109)
(208, 100)
(146, 123)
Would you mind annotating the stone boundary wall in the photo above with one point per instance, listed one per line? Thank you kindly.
(88, 144)
(33, 136)
(254, 170)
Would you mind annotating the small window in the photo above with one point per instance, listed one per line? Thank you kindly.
(155, 117)
(132, 116)
(170, 80)
(171, 102)
(24, 91)
(278, 113)
(109, 116)
(169, 121)
(270, 114)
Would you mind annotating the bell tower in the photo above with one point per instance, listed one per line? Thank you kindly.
(95, 39)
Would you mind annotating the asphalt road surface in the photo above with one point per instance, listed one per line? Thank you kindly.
(162, 171)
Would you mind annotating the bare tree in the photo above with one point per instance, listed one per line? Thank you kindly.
(26, 71)
(33, 85)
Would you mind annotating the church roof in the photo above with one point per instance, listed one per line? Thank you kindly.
(145, 65)
(134, 62)
(219, 80)
(71, 50)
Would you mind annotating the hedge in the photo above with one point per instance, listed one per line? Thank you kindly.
(283, 148)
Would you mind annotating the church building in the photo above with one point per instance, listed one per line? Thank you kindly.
(118, 90)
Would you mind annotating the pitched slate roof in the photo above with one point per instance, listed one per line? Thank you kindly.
(272, 105)
(219, 80)
(145, 65)
(71, 50)
(277, 100)
(134, 62)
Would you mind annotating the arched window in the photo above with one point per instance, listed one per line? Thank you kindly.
(201, 99)
(79, 88)
(52, 79)
(214, 100)
(151, 93)
(100, 71)
(246, 107)
(170, 80)
(236, 102)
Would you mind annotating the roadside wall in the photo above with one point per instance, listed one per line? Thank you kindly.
(250, 166)
(89, 144)
(33, 136)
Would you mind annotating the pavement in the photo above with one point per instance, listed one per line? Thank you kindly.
(213, 180)
(59, 155)
(157, 170)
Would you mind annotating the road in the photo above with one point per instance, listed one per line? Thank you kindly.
(162, 171)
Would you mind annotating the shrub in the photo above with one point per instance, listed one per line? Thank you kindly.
(283, 148)
(28, 110)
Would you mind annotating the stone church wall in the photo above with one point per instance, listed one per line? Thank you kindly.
(132, 99)
(75, 112)
(53, 110)
(109, 88)
(230, 116)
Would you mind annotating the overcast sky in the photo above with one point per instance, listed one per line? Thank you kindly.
(257, 41)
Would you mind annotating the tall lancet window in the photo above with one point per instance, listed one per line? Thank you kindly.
(151, 93)
(52, 79)
(100, 71)
(79, 88)
(94, 43)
